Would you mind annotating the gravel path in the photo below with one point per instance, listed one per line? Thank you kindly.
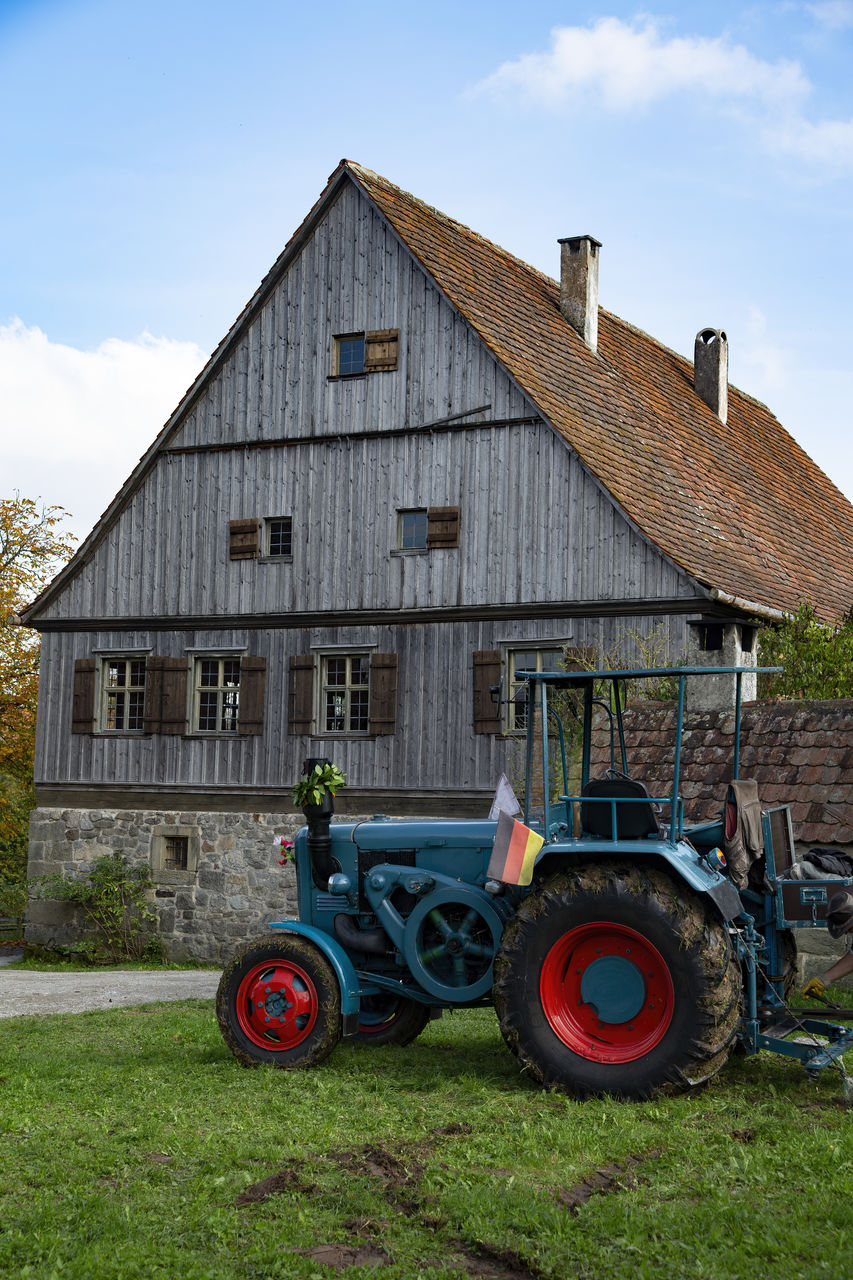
(25, 992)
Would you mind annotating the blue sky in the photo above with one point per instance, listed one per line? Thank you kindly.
(156, 159)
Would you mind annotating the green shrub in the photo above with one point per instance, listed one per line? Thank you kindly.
(112, 897)
(817, 657)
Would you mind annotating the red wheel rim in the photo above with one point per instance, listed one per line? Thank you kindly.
(277, 1005)
(378, 1014)
(607, 992)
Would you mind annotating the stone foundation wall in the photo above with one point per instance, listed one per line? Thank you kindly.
(235, 888)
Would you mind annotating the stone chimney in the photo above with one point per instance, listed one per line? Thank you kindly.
(711, 370)
(579, 286)
(721, 642)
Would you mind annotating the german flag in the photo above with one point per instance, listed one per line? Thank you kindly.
(514, 852)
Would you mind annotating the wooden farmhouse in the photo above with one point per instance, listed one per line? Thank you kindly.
(414, 466)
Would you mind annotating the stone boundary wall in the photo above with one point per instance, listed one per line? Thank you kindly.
(235, 890)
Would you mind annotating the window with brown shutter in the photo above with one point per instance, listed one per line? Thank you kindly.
(380, 350)
(383, 693)
(83, 700)
(244, 539)
(166, 695)
(487, 677)
(300, 694)
(443, 527)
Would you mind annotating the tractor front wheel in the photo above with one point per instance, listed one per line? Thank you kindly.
(616, 980)
(390, 1019)
(279, 1002)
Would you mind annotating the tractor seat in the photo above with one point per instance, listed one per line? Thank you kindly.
(633, 820)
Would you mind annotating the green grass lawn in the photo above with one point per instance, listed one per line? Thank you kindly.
(132, 1145)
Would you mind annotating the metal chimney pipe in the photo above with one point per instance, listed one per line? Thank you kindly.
(711, 370)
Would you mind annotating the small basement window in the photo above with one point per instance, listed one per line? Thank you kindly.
(174, 854)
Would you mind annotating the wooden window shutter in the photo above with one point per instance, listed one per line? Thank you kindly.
(166, 695)
(380, 350)
(487, 674)
(383, 693)
(443, 527)
(244, 539)
(253, 688)
(300, 703)
(83, 700)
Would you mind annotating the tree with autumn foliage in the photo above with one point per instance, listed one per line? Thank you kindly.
(33, 546)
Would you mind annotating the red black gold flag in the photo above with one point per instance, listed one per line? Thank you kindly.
(514, 852)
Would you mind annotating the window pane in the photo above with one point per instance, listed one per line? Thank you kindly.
(231, 672)
(358, 719)
(280, 536)
(208, 673)
(335, 712)
(135, 709)
(336, 669)
(413, 530)
(351, 355)
(115, 674)
(551, 660)
(137, 673)
(360, 669)
(207, 711)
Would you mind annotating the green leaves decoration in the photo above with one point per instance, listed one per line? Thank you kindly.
(313, 786)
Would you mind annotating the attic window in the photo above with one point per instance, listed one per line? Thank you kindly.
(349, 355)
(360, 353)
(279, 539)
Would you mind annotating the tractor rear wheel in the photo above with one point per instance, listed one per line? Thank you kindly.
(279, 1002)
(390, 1019)
(616, 980)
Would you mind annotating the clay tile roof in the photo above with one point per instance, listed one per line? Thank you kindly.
(739, 505)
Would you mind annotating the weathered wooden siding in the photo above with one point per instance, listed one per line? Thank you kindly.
(433, 747)
(535, 526)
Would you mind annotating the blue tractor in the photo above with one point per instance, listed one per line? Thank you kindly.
(632, 963)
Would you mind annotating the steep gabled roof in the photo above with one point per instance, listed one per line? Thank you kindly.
(739, 505)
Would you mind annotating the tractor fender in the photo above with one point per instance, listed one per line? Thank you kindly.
(681, 859)
(341, 964)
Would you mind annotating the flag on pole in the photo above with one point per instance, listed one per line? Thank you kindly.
(514, 852)
(505, 800)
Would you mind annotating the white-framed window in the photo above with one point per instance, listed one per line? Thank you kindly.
(216, 695)
(412, 529)
(122, 695)
(550, 658)
(278, 537)
(345, 693)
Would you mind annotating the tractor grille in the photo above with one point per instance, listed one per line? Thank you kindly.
(370, 858)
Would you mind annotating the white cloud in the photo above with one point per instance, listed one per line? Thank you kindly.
(630, 65)
(834, 15)
(74, 423)
(829, 143)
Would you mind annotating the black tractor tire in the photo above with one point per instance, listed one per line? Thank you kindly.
(279, 1003)
(390, 1019)
(655, 957)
